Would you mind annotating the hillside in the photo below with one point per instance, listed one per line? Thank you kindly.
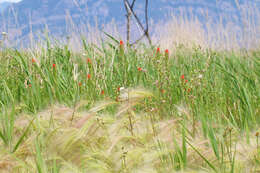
(36, 15)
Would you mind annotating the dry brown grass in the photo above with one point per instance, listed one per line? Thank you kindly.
(96, 142)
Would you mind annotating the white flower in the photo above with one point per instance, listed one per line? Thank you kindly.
(121, 88)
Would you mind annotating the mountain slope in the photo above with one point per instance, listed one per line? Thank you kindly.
(34, 15)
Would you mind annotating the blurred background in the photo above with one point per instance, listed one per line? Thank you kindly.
(218, 24)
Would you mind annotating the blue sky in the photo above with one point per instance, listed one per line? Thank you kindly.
(9, 1)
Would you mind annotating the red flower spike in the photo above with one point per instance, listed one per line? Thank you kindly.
(53, 65)
(167, 54)
(182, 76)
(162, 91)
(33, 60)
(102, 92)
(121, 48)
(88, 76)
(186, 81)
(118, 89)
(89, 61)
(139, 69)
(158, 50)
(80, 84)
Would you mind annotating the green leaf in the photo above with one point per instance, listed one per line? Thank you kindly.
(22, 137)
(204, 158)
(111, 37)
(3, 137)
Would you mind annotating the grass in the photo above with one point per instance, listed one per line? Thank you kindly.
(118, 109)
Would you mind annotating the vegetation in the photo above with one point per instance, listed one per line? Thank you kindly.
(112, 108)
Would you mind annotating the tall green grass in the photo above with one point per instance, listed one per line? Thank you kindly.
(147, 111)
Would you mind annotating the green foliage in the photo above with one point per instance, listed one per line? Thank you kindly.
(146, 112)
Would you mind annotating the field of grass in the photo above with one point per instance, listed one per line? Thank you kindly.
(111, 108)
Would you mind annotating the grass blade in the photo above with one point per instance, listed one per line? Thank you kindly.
(111, 37)
(204, 158)
(3, 138)
(22, 137)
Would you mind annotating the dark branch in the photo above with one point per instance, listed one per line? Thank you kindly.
(138, 40)
(146, 15)
(133, 3)
(145, 30)
(128, 16)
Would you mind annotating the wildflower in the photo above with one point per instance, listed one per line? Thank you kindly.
(80, 84)
(162, 91)
(88, 76)
(119, 88)
(182, 76)
(189, 90)
(53, 65)
(30, 85)
(89, 61)
(167, 54)
(139, 69)
(102, 92)
(186, 81)
(33, 60)
(158, 50)
(257, 134)
(121, 48)
(157, 54)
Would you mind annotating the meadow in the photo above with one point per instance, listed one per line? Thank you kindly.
(115, 108)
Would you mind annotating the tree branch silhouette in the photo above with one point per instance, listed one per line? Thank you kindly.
(129, 8)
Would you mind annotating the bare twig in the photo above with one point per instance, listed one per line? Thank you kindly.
(128, 16)
(146, 15)
(139, 39)
(133, 3)
(129, 8)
